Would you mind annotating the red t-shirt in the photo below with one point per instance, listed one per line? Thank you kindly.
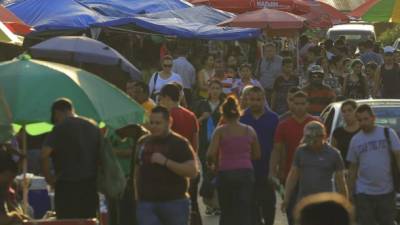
(289, 133)
(184, 123)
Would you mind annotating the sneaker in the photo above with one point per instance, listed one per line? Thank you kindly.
(209, 211)
(217, 212)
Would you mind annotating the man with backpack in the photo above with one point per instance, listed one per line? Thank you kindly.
(371, 153)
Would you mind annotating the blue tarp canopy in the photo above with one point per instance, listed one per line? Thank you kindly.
(179, 28)
(126, 8)
(195, 23)
(199, 14)
(56, 14)
(184, 21)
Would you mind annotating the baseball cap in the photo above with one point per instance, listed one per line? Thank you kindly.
(315, 69)
(388, 49)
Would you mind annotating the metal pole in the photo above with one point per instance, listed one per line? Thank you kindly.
(25, 182)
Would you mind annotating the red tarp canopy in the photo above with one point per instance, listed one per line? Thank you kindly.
(271, 20)
(15, 24)
(317, 13)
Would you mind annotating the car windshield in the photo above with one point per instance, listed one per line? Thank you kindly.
(351, 35)
(385, 116)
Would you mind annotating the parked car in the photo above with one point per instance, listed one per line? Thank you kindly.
(387, 113)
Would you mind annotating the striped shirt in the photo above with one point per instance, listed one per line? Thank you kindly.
(227, 85)
(319, 98)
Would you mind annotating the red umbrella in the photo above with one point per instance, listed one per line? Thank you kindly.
(242, 6)
(15, 24)
(318, 14)
(271, 20)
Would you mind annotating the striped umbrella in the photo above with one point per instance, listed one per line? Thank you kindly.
(378, 11)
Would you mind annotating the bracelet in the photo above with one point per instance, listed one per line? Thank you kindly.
(165, 163)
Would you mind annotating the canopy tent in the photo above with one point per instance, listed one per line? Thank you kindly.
(378, 11)
(184, 22)
(15, 24)
(183, 29)
(8, 37)
(55, 15)
(45, 15)
(318, 14)
(191, 23)
(123, 8)
(202, 14)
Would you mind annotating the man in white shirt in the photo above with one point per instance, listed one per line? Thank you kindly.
(371, 180)
(184, 68)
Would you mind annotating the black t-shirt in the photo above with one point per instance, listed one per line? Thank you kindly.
(390, 82)
(156, 182)
(204, 106)
(343, 139)
(75, 143)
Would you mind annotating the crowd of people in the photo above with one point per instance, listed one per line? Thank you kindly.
(236, 133)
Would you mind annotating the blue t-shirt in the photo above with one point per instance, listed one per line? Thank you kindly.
(265, 127)
(370, 151)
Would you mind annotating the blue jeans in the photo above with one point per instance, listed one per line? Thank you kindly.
(176, 212)
(375, 209)
(236, 197)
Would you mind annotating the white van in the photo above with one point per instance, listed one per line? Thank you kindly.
(354, 32)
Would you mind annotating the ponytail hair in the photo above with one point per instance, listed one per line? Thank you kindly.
(230, 109)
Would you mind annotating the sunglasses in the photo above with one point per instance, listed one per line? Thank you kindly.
(167, 65)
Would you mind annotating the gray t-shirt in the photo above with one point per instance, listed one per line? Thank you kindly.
(317, 169)
(269, 71)
(370, 151)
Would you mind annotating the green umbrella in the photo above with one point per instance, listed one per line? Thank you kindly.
(31, 86)
(6, 132)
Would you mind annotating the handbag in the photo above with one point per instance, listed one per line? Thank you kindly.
(393, 162)
(111, 179)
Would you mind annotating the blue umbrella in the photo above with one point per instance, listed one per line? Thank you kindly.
(83, 50)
